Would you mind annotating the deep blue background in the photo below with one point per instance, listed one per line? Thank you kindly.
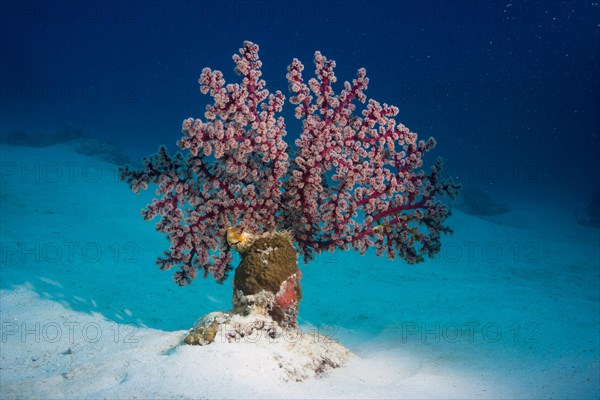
(509, 89)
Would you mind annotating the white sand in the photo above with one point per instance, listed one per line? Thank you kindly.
(86, 314)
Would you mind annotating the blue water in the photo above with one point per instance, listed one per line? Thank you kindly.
(504, 82)
(510, 91)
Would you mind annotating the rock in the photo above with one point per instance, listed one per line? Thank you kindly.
(268, 278)
(298, 355)
(102, 149)
(202, 335)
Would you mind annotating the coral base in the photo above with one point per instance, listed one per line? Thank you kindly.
(298, 355)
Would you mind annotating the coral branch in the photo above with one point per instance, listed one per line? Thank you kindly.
(358, 181)
(232, 173)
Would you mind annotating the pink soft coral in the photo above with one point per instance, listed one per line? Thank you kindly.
(356, 179)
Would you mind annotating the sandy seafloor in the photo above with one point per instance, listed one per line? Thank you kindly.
(510, 309)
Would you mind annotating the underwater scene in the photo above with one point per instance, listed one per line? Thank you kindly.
(300, 199)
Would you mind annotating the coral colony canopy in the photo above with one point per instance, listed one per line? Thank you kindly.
(356, 178)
